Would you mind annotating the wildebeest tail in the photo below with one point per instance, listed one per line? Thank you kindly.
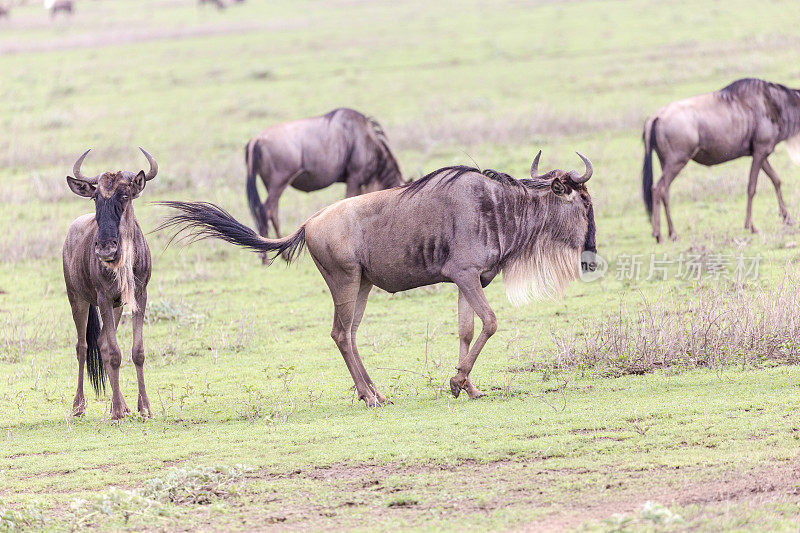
(94, 361)
(202, 220)
(252, 156)
(647, 168)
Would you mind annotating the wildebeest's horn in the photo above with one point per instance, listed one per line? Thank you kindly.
(535, 166)
(153, 165)
(76, 169)
(586, 175)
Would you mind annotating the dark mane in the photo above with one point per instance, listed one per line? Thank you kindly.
(748, 87)
(387, 170)
(457, 171)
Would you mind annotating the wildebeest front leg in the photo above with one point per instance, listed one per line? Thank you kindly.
(776, 182)
(137, 354)
(466, 330)
(473, 293)
(112, 355)
(80, 314)
(752, 184)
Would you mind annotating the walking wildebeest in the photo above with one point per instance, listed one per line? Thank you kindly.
(746, 118)
(454, 225)
(107, 265)
(64, 6)
(313, 153)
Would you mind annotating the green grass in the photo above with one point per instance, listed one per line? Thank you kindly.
(240, 365)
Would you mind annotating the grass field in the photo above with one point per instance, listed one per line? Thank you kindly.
(587, 425)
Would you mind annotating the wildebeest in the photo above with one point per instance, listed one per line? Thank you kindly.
(454, 225)
(4, 11)
(107, 265)
(313, 153)
(63, 6)
(217, 3)
(746, 118)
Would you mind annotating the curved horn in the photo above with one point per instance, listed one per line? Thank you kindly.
(586, 175)
(535, 166)
(76, 169)
(153, 165)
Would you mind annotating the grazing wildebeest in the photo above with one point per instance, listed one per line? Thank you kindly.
(4, 11)
(454, 225)
(313, 153)
(63, 6)
(746, 118)
(217, 3)
(107, 265)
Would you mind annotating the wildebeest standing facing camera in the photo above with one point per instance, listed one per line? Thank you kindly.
(107, 265)
(455, 225)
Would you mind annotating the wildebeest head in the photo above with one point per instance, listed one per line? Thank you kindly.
(571, 213)
(113, 193)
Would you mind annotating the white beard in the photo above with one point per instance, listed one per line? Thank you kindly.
(545, 273)
(793, 147)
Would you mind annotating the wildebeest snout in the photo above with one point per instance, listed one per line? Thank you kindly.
(589, 261)
(107, 251)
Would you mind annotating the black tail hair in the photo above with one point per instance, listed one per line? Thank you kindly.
(204, 220)
(94, 361)
(252, 158)
(649, 138)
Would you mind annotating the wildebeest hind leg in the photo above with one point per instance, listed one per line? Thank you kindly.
(473, 293)
(776, 182)
(80, 314)
(345, 287)
(670, 170)
(274, 192)
(361, 305)
(466, 330)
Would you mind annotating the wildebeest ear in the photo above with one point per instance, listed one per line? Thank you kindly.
(558, 187)
(80, 187)
(137, 183)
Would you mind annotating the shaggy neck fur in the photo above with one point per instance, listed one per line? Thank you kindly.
(544, 263)
(123, 267)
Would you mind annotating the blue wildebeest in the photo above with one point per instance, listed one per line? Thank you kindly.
(314, 153)
(107, 265)
(454, 225)
(749, 117)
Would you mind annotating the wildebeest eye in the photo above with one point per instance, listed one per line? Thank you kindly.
(558, 187)
(124, 197)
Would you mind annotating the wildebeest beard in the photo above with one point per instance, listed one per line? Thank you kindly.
(547, 242)
(116, 221)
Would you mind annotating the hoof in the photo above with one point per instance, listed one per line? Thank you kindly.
(455, 387)
(657, 238)
(374, 402)
(673, 237)
(475, 395)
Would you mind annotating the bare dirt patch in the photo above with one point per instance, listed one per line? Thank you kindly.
(119, 37)
(557, 498)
